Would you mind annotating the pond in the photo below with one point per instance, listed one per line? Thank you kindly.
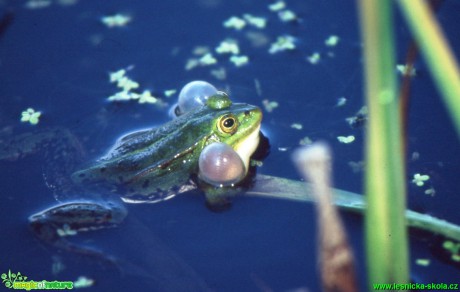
(302, 64)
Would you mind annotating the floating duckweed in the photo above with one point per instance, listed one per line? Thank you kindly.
(341, 101)
(406, 70)
(31, 116)
(332, 41)
(287, 15)
(127, 84)
(207, 59)
(191, 63)
(255, 21)
(239, 60)
(228, 46)
(423, 262)
(277, 6)
(37, 4)
(235, 22)
(117, 20)
(269, 105)
(170, 92)
(420, 179)
(305, 141)
(346, 139)
(453, 248)
(147, 97)
(200, 50)
(133, 95)
(359, 119)
(116, 76)
(430, 192)
(83, 282)
(282, 43)
(314, 58)
(219, 73)
(120, 96)
(297, 126)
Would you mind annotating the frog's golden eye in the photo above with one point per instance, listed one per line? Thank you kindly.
(228, 124)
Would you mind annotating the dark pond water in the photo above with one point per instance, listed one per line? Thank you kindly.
(56, 59)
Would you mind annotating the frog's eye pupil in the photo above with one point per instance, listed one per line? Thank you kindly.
(228, 123)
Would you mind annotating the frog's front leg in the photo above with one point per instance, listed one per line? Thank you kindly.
(56, 224)
(219, 199)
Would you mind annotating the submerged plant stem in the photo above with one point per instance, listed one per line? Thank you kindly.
(282, 188)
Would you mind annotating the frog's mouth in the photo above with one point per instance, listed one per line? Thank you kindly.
(246, 147)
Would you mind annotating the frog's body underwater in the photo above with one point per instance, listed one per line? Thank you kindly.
(153, 165)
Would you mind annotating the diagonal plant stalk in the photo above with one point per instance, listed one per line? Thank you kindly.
(267, 186)
(386, 234)
(437, 53)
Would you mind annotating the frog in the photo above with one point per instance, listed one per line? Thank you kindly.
(156, 164)
(146, 166)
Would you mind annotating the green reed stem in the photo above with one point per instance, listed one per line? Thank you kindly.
(386, 233)
(437, 53)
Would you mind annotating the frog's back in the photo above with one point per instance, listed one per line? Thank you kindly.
(151, 165)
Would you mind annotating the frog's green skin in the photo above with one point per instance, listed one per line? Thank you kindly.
(156, 164)
(145, 166)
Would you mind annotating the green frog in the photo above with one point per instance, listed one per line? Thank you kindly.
(145, 167)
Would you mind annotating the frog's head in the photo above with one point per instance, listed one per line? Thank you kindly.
(236, 124)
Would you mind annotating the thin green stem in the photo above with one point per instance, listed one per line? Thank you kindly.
(437, 53)
(386, 234)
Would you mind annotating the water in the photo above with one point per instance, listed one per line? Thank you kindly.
(57, 59)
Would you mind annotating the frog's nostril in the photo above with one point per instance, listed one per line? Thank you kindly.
(246, 113)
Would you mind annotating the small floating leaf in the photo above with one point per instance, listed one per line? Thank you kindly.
(235, 22)
(346, 139)
(31, 116)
